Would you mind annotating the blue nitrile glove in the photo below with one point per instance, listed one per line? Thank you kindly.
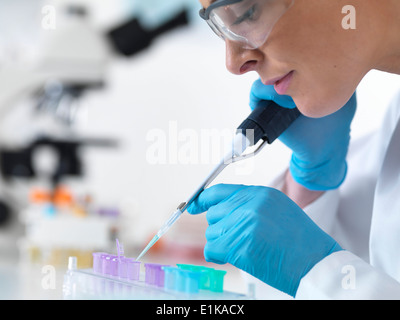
(319, 145)
(262, 232)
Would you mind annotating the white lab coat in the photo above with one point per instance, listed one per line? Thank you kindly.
(363, 216)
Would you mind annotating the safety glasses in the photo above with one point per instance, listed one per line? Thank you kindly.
(246, 21)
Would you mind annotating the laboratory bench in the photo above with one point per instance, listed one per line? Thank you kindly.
(21, 281)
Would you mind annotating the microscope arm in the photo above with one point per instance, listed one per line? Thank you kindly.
(16, 83)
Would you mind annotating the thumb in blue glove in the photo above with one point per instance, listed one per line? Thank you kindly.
(260, 91)
(262, 232)
(319, 145)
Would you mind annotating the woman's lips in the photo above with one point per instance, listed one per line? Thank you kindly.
(281, 84)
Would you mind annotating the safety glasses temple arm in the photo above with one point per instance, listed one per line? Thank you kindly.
(205, 13)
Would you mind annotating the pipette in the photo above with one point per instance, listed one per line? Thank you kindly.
(264, 125)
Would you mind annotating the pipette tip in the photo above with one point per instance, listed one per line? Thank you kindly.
(151, 243)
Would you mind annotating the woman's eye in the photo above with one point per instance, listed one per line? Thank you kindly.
(249, 15)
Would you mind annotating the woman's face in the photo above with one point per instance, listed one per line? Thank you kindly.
(323, 62)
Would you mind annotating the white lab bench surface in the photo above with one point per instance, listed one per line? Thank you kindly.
(19, 282)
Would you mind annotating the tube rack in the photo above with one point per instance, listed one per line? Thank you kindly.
(120, 279)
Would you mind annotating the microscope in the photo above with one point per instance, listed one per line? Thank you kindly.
(40, 104)
(73, 59)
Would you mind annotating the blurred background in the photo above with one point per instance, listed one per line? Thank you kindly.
(111, 113)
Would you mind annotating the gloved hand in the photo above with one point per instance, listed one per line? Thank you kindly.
(319, 145)
(261, 231)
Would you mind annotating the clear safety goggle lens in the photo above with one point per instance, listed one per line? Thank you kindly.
(249, 21)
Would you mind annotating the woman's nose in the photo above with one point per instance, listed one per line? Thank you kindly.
(240, 60)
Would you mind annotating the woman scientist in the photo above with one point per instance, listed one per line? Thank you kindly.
(347, 246)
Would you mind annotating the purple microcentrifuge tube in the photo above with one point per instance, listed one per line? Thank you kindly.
(114, 266)
(123, 268)
(133, 269)
(110, 265)
(98, 262)
(104, 263)
(129, 269)
(154, 274)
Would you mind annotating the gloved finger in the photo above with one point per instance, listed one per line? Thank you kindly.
(214, 252)
(212, 196)
(217, 230)
(222, 227)
(260, 91)
(224, 247)
(214, 232)
(229, 205)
